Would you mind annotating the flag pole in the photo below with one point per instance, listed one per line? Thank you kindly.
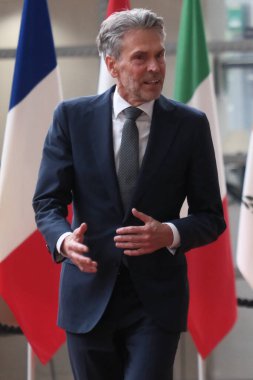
(30, 363)
(201, 368)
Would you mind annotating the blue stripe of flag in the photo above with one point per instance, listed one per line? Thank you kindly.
(35, 57)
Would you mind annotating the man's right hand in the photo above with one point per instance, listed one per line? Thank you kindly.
(73, 248)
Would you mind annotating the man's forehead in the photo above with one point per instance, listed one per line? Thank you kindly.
(139, 39)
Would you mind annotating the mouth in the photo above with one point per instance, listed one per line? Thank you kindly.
(153, 82)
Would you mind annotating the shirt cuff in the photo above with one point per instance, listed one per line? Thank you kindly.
(176, 239)
(60, 240)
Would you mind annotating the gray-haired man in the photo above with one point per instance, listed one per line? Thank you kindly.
(124, 289)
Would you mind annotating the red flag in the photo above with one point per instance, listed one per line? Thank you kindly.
(213, 306)
(117, 6)
(28, 278)
(105, 80)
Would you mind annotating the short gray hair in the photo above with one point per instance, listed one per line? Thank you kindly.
(113, 28)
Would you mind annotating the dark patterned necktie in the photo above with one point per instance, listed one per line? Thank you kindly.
(129, 155)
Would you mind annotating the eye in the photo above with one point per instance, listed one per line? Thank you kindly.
(161, 55)
(139, 57)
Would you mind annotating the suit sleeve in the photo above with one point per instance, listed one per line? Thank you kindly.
(205, 221)
(53, 192)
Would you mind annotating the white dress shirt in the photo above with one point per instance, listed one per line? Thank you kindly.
(143, 124)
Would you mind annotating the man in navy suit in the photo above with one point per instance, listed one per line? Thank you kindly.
(124, 288)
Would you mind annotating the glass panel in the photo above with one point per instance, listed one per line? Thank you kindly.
(239, 19)
(235, 101)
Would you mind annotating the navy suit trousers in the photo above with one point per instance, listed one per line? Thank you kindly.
(126, 344)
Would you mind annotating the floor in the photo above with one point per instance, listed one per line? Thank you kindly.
(13, 362)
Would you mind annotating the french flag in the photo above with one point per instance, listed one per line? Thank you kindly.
(28, 277)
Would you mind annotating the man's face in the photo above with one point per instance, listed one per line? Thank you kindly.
(140, 69)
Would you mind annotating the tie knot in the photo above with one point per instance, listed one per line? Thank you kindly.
(132, 113)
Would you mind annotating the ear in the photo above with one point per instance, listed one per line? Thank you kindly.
(111, 66)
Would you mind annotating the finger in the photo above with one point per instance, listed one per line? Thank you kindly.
(80, 231)
(88, 268)
(129, 245)
(138, 238)
(134, 230)
(136, 252)
(140, 215)
(80, 259)
(85, 264)
(77, 247)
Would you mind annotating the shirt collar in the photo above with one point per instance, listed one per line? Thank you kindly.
(120, 104)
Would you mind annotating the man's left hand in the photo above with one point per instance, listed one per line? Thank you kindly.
(141, 240)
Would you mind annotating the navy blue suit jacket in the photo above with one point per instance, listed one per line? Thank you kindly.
(78, 166)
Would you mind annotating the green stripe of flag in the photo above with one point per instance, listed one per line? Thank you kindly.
(192, 65)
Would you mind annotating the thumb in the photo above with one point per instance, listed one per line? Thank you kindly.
(140, 215)
(80, 231)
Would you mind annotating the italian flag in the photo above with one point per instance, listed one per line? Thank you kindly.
(105, 80)
(28, 278)
(213, 306)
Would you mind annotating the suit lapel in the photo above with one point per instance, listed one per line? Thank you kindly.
(162, 132)
(102, 142)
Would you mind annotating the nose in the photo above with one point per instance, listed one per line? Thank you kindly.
(153, 65)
